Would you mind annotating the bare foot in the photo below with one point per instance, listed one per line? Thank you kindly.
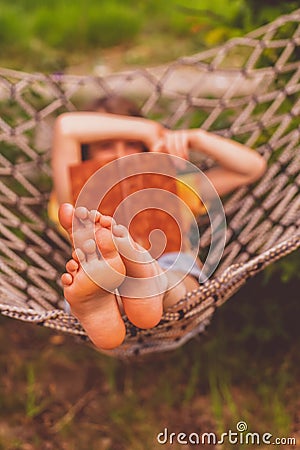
(91, 278)
(145, 284)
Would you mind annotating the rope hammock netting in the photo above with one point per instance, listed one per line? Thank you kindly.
(247, 89)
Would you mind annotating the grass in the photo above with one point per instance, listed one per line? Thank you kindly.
(59, 394)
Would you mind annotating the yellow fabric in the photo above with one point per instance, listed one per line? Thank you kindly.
(187, 191)
(53, 213)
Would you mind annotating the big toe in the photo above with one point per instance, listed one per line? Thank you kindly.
(65, 215)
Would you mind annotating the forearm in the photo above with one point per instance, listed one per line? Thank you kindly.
(88, 127)
(71, 130)
(230, 155)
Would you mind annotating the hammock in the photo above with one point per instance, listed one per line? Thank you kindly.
(247, 89)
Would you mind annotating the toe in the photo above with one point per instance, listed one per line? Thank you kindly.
(81, 213)
(94, 216)
(80, 255)
(65, 215)
(74, 256)
(83, 226)
(89, 246)
(107, 221)
(90, 249)
(127, 248)
(120, 231)
(66, 279)
(72, 266)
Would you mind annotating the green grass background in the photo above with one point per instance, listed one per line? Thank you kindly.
(53, 34)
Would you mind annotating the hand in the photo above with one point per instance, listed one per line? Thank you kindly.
(173, 142)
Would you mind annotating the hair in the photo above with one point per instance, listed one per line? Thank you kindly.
(113, 104)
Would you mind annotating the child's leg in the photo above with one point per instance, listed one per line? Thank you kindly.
(183, 271)
(182, 284)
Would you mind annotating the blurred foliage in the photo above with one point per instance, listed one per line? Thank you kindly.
(49, 35)
(286, 269)
(268, 10)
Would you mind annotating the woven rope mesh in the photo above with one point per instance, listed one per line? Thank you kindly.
(247, 90)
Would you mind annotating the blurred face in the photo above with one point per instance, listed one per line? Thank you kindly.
(114, 148)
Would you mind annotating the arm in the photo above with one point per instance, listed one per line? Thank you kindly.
(73, 129)
(87, 127)
(238, 165)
